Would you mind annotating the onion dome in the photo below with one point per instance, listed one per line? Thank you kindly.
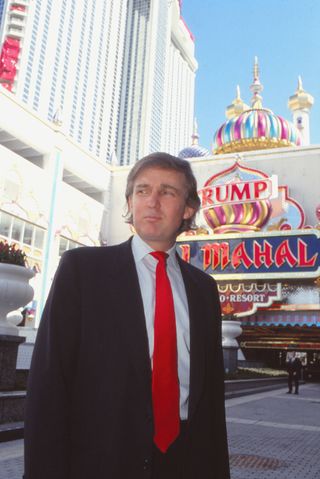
(238, 217)
(195, 150)
(244, 217)
(255, 128)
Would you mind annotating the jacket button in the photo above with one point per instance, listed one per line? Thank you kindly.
(146, 464)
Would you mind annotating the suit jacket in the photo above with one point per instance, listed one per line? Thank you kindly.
(294, 368)
(89, 404)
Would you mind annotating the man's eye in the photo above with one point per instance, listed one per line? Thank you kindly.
(168, 192)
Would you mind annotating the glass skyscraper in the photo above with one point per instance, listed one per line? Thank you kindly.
(118, 74)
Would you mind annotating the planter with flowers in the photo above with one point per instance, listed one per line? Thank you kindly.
(231, 329)
(15, 290)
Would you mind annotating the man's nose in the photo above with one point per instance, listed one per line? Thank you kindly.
(154, 199)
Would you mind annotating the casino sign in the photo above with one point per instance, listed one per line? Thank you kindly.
(245, 298)
(255, 235)
(273, 255)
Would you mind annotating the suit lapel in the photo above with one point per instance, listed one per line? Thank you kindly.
(131, 313)
(197, 337)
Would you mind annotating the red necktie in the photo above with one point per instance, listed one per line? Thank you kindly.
(165, 382)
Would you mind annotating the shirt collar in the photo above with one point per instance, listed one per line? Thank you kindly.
(140, 249)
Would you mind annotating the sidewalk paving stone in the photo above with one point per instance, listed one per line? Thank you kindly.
(11, 459)
(272, 435)
(275, 435)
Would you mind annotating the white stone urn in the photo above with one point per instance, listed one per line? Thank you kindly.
(15, 317)
(15, 292)
(231, 329)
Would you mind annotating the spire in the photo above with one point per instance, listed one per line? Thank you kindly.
(57, 117)
(195, 134)
(194, 150)
(113, 160)
(256, 70)
(237, 106)
(300, 104)
(256, 87)
(301, 100)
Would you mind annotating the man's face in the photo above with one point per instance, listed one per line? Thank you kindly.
(158, 206)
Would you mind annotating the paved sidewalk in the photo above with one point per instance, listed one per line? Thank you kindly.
(275, 435)
(272, 435)
(11, 459)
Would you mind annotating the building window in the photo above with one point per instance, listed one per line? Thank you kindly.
(5, 225)
(17, 228)
(27, 236)
(65, 244)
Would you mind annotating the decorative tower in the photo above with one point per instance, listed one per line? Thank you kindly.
(256, 87)
(300, 104)
(195, 134)
(237, 107)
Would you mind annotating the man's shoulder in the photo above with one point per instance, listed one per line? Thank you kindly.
(93, 253)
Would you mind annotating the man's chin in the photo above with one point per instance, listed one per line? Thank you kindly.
(156, 240)
(150, 237)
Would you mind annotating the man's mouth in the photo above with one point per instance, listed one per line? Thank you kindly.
(152, 218)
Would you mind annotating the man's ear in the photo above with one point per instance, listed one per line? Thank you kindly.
(188, 212)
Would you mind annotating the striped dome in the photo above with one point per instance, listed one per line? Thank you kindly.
(194, 151)
(255, 129)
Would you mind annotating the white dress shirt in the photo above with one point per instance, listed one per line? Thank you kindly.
(146, 268)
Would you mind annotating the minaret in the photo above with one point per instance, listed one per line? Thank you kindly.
(256, 87)
(237, 107)
(195, 134)
(300, 104)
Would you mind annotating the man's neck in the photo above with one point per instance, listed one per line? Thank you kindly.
(156, 245)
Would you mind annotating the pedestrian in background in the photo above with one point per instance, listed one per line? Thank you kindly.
(294, 367)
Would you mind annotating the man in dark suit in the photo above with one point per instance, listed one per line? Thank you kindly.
(91, 410)
(294, 367)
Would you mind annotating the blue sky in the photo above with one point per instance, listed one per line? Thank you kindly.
(283, 34)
